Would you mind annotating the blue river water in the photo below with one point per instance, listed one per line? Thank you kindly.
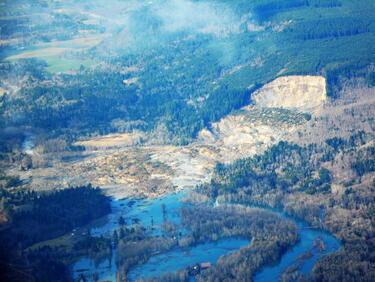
(175, 260)
(149, 213)
(307, 246)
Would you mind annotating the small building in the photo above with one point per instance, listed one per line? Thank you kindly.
(197, 268)
(205, 265)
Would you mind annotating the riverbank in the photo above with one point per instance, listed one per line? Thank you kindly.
(153, 214)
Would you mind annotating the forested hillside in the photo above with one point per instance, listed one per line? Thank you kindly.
(180, 79)
(35, 218)
(294, 179)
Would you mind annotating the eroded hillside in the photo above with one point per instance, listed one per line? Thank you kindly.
(303, 93)
(119, 164)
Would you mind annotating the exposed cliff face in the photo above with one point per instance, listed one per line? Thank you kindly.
(114, 163)
(302, 93)
(277, 111)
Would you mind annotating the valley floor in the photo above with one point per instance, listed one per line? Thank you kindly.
(293, 136)
(299, 113)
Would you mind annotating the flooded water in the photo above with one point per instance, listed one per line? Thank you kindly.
(179, 259)
(144, 212)
(313, 245)
(106, 270)
(149, 213)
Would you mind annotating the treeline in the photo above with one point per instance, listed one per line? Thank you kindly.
(50, 263)
(174, 81)
(57, 213)
(355, 262)
(270, 236)
(326, 28)
(324, 3)
(337, 73)
(53, 263)
(211, 224)
(364, 166)
(89, 101)
(266, 11)
(262, 179)
(283, 169)
(294, 179)
(135, 247)
(365, 161)
(183, 85)
(18, 22)
(35, 218)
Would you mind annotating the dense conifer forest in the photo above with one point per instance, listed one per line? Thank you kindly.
(186, 95)
(284, 169)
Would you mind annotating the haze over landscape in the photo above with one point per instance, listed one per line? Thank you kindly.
(187, 140)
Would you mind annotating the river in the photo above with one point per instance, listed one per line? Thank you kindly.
(150, 213)
(313, 245)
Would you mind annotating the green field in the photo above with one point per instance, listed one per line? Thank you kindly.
(57, 64)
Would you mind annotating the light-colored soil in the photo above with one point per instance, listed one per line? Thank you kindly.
(130, 81)
(57, 48)
(118, 163)
(303, 93)
(2, 91)
(46, 52)
(11, 41)
(91, 22)
(80, 42)
(277, 113)
(112, 141)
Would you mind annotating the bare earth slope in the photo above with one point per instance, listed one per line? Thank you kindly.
(293, 108)
(303, 93)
